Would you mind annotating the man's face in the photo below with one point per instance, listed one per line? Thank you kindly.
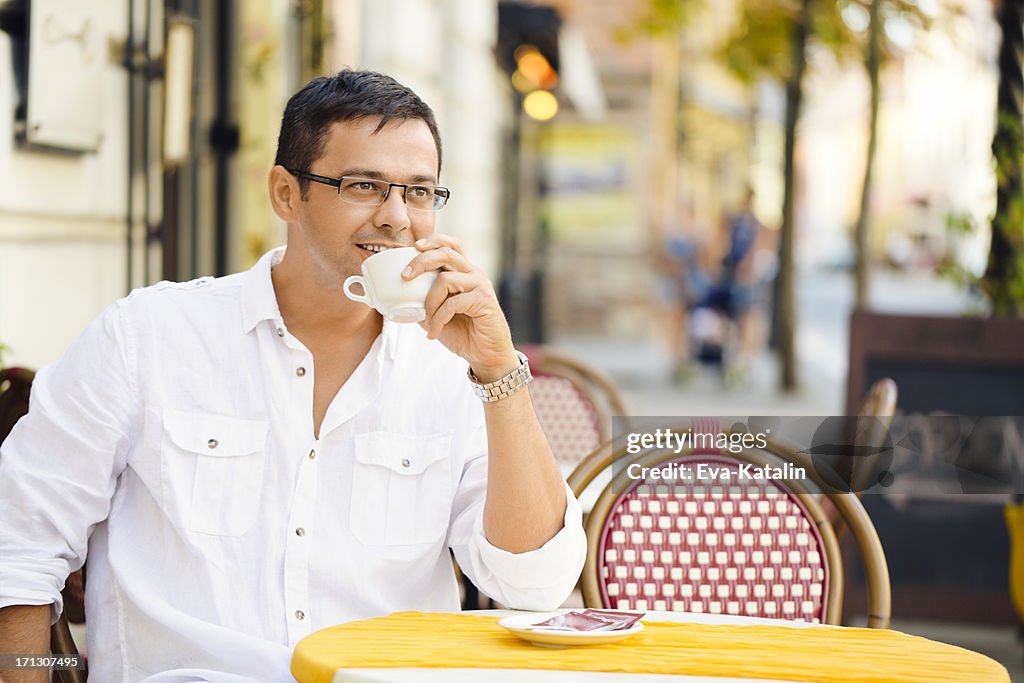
(336, 233)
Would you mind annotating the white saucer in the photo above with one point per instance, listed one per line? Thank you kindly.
(522, 626)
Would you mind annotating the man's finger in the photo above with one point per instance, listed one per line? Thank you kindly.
(449, 283)
(468, 303)
(439, 239)
(442, 258)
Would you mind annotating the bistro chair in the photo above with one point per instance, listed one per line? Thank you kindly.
(574, 404)
(760, 548)
(874, 419)
(15, 387)
(870, 432)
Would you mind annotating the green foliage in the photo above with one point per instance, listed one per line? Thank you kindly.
(662, 18)
(1003, 286)
(958, 224)
(1004, 292)
(1007, 147)
(759, 45)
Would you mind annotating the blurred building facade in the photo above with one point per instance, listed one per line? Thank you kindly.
(63, 215)
(171, 181)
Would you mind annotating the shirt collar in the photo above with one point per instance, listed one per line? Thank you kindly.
(260, 302)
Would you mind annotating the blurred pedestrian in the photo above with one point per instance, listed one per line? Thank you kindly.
(682, 284)
(739, 292)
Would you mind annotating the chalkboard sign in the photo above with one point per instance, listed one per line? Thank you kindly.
(948, 557)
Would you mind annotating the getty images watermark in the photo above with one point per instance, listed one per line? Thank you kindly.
(906, 454)
(693, 439)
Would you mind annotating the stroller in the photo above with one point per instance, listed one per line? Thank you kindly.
(714, 329)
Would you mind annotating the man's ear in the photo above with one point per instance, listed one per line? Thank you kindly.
(284, 194)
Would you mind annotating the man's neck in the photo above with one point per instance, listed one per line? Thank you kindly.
(312, 309)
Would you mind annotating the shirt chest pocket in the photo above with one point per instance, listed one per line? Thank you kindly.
(212, 469)
(401, 488)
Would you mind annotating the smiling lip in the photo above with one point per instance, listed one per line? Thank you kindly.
(377, 248)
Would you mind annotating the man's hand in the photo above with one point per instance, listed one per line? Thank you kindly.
(462, 309)
(526, 500)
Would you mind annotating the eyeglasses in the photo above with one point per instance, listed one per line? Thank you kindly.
(375, 192)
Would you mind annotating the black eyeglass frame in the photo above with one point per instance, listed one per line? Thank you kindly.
(337, 182)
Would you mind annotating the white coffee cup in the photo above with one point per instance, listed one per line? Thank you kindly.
(398, 300)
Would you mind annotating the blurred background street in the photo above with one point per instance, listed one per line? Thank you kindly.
(644, 368)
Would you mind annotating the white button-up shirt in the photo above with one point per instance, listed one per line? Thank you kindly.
(173, 446)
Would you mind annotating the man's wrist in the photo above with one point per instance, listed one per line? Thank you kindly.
(501, 388)
(495, 370)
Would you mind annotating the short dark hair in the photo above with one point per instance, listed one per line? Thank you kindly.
(348, 95)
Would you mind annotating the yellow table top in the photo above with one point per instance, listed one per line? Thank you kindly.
(773, 652)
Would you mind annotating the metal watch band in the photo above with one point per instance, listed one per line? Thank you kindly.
(505, 386)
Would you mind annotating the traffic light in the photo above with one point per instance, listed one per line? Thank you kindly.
(528, 52)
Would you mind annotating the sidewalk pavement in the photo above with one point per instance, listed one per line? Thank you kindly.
(641, 366)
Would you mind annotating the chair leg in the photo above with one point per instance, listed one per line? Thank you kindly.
(62, 643)
(471, 594)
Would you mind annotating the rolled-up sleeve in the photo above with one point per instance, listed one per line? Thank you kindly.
(540, 579)
(59, 466)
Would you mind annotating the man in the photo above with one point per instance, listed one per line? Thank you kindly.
(252, 458)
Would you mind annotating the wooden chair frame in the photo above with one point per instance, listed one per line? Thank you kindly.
(594, 388)
(62, 643)
(878, 403)
(597, 387)
(15, 386)
(878, 406)
(849, 509)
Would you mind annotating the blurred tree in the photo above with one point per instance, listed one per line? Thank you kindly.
(664, 18)
(786, 302)
(770, 40)
(874, 57)
(879, 50)
(1003, 281)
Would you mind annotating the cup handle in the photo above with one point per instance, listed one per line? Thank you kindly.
(352, 280)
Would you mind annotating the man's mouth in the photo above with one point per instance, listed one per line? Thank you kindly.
(375, 248)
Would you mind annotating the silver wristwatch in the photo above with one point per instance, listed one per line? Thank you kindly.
(505, 386)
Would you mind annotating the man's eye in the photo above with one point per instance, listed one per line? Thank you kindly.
(364, 187)
(419, 191)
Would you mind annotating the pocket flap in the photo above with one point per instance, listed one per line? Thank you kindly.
(401, 453)
(214, 434)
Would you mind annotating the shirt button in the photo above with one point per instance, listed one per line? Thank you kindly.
(312, 455)
(300, 531)
(212, 443)
(280, 332)
(300, 615)
(300, 371)
(405, 462)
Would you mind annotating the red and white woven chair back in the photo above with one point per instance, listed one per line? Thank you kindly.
(722, 546)
(568, 417)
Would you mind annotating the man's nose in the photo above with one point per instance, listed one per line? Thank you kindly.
(393, 212)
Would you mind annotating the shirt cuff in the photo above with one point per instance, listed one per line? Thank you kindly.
(31, 586)
(538, 579)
